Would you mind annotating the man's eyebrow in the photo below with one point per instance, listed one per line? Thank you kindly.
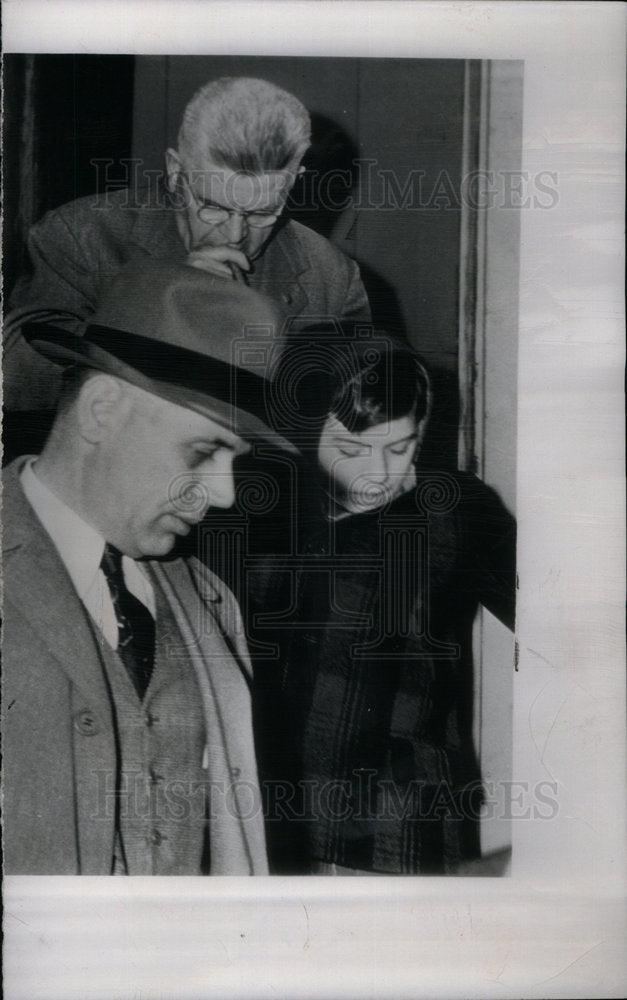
(214, 442)
(240, 445)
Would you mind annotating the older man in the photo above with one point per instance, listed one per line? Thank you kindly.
(128, 742)
(240, 147)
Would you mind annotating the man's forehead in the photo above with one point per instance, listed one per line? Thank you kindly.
(192, 424)
(200, 426)
(218, 183)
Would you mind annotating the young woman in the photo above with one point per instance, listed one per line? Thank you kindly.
(378, 766)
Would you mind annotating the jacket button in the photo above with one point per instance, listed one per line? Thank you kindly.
(85, 723)
(156, 837)
(235, 772)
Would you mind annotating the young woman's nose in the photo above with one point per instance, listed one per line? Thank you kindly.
(378, 464)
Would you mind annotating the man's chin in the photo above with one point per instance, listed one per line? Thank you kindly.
(159, 546)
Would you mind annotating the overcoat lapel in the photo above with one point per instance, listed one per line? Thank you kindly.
(217, 651)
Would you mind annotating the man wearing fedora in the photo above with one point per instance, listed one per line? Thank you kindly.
(223, 209)
(128, 744)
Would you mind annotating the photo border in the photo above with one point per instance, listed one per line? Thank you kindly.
(556, 926)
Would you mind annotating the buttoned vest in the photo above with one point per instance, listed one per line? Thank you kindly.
(159, 792)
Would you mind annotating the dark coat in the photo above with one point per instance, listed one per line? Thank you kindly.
(376, 687)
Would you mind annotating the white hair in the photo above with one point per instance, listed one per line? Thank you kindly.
(245, 125)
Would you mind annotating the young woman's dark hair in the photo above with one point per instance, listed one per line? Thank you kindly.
(361, 376)
(378, 382)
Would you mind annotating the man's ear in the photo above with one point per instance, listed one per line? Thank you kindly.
(173, 168)
(102, 407)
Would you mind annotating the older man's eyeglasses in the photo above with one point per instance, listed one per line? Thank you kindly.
(212, 214)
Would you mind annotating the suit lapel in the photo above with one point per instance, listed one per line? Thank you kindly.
(40, 589)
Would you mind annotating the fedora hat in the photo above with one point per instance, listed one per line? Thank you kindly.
(200, 341)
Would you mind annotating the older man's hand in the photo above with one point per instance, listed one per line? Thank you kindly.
(216, 260)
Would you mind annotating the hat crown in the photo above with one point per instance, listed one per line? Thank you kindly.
(189, 308)
(203, 342)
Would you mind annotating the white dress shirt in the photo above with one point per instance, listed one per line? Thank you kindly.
(80, 548)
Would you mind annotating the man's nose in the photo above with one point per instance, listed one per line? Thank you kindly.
(222, 488)
(235, 227)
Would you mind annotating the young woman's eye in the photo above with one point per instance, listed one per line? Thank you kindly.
(400, 450)
(350, 452)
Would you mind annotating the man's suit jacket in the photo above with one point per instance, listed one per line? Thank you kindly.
(78, 248)
(58, 721)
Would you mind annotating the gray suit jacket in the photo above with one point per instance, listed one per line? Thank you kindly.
(58, 720)
(78, 248)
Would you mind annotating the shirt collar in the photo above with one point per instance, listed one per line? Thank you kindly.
(79, 545)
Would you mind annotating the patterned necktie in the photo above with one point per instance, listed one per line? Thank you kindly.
(136, 626)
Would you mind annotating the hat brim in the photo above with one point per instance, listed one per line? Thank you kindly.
(168, 371)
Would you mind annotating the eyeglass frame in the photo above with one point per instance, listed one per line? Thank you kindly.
(228, 213)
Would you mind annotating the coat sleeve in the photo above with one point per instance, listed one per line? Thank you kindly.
(490, 549)
(59, 289)
(62, 277)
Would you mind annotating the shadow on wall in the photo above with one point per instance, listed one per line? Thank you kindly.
(331, 173)
(320, 200)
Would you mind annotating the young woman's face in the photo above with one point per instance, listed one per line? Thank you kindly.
(369, 469)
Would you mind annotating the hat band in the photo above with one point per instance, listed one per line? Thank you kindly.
(179, 366)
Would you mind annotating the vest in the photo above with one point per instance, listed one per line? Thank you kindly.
(159, 793)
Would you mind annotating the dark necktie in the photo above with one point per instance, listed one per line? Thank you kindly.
(136, 626)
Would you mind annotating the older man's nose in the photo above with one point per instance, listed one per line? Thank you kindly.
(236, 228)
